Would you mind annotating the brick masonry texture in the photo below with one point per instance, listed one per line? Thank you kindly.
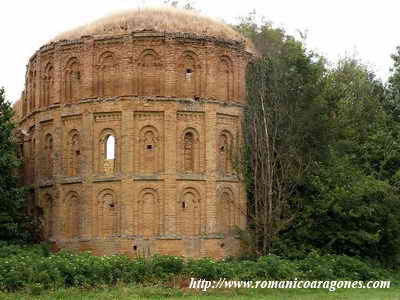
(171, 107)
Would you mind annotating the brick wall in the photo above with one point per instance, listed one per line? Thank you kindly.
(172, 107)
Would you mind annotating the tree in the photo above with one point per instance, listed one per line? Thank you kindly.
(285, 128)
(14, 223)
(350, 202)
(392, 103)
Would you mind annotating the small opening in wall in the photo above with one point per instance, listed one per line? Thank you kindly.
(183, 205)
(188, 74)
(222, 148)
(112, 205)
(110, 147)
(149, 147)
(135, 247)
(222, 245)
(78, 75)
(78, 152)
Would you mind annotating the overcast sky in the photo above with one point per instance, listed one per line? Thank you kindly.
(369, 28)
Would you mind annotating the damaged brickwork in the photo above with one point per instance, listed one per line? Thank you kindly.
(130, 140)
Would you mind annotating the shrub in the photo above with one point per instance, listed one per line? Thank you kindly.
(207, 268)
(35, 270)
(273, 267)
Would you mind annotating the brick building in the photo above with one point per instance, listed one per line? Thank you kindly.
(130, 134)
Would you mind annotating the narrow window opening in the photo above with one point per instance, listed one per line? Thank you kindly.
(189, 73)
(188, 152)
(78, 152)
(110, 147)
(112, 205)
(135, 247)
(222, 245)
(222, 148)
(149, 147)
(183, 205)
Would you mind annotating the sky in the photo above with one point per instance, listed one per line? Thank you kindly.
(368, 29)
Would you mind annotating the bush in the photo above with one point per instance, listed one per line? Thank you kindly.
(273, 267)
(338, 267)
(33, 269)
(207, 268)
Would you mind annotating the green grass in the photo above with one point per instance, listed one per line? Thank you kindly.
(129, 292)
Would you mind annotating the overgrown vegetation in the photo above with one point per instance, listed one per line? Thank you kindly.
(322, 156)
(35, 268)
(162, 19)
(322, 167)
(15, 225)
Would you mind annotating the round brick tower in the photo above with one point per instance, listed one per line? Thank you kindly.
(131, 125)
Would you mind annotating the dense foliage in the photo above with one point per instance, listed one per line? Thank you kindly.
(35, 268)
(286, 130)
(14, 223)
(341, 125)
(350, 201)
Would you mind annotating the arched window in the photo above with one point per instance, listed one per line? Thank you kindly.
(48, 156)
(189, 76)
(225, 79)
(32, 90)
(150, 67)
(74, 154)
(108, 214)
(189, 222)
(149, 213)
(73, 216)
(107, 75)
(188, 152)
(110, 147)
(149, 142)
(109, 158)
(72, 80)
(225, 211)
(225, 150)
(108, 152)
(48, 85)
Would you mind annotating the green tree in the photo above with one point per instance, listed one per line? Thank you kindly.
(14, 223)
(351, 198)
(286, 128)
(392, 103)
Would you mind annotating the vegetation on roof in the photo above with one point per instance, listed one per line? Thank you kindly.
(161, 19)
